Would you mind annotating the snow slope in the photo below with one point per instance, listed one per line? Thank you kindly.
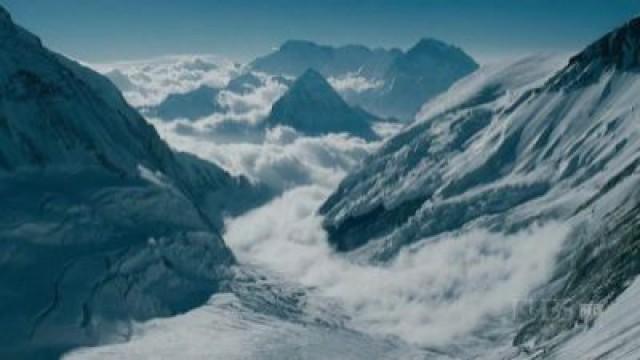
(507, 147)
(395, 183)
(261, 319)
(101, 221)
(613, 336)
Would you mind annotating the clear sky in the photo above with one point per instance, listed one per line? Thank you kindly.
(107, 30)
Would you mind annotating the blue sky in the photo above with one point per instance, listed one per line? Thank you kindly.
(107, 30)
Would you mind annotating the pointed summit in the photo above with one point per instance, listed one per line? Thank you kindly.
(313, 85)
(311, 75)
(311, 106)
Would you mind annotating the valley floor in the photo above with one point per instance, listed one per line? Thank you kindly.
(351, 310)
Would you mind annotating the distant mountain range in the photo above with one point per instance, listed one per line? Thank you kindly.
(388, 83)
(294, 57)
(407, 79)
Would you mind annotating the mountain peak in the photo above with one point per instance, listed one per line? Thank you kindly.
(313, 107)
(620, 48)
(311, 76)
(313, 84)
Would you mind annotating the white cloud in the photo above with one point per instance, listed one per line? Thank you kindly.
(280, 158)
(354, 83)
(252, 106)
(154, 79)
(430, 294)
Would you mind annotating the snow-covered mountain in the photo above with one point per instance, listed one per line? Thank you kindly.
(424, 71)
(311, 106)
(294, 57)
(388, 83)
(405, 175)
(101, 221)
(507, 147)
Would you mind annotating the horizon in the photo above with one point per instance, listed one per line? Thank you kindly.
(111, 31)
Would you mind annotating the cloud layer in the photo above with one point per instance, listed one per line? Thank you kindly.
(354, 83)
(280, 158)
(467, 277)
(148, 82)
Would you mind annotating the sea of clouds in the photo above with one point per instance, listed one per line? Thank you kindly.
(431, 295)
(148, 82)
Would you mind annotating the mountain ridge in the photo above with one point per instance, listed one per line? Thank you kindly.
(502, 155)
(102, 219)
